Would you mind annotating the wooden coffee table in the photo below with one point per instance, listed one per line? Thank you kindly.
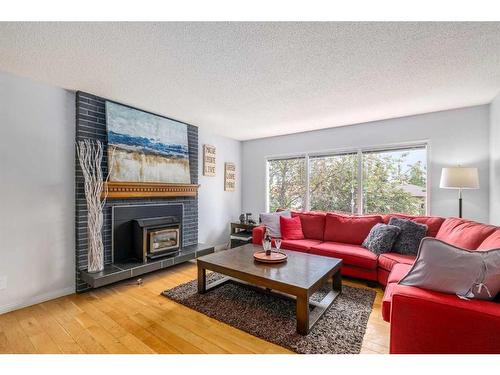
(298, 278)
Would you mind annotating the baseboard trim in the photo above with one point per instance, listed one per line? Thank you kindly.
(36, 299)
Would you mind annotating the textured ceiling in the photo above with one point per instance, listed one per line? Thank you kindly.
(251, 80)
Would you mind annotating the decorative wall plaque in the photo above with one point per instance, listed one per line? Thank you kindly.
(208, 160)
(229, 176)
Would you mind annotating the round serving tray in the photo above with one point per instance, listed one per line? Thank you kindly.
(275, 257)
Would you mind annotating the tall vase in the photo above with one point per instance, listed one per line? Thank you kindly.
(90, 157)
(95, 251)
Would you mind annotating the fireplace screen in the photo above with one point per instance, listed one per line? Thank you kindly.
(165, 239)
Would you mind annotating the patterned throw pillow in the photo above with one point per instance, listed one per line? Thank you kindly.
(381, 238)
(410, 236)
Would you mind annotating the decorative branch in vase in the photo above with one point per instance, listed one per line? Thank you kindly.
(90, 154)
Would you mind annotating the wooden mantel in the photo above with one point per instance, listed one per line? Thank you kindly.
(124, 190)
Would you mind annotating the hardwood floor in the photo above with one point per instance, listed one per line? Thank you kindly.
(128, 318)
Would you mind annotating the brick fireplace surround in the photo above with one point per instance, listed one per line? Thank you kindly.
(91, 124)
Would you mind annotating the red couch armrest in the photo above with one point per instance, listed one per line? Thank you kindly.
(258, 234)
(423, 321)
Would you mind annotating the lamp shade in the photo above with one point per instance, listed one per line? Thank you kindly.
(459, 178)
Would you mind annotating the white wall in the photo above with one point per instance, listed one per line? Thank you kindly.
(457, 136)
(216, 207)
(37, 135)
(37, 132)
(495, 161)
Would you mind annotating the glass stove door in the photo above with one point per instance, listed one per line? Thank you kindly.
(163, 240)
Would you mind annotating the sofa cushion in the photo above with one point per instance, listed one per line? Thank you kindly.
(433, 222)
(381, 238)
(349, 229)
(291, 228)
(409, 238)
(388, 260)
(398, 272)
(353, 255)
(299, 245)
(464, 233)
(491, 242)
(313, 224)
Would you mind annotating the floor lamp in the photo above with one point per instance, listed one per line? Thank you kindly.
(459, 178)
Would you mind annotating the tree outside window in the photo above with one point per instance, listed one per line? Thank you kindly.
(395, 181)
(390, 181)
(333, 183)
(287, 183)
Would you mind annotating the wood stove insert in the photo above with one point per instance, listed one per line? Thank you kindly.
(132, 226)
(156, 237)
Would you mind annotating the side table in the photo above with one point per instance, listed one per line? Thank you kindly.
(241, 234)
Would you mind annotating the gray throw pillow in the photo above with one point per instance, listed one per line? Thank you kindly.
(445, 268)
(272, 222)
(410, 236)
(381, 238)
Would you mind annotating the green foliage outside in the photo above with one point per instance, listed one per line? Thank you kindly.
(384, 179)
(333, 183)
(391, 183)
(287, 184)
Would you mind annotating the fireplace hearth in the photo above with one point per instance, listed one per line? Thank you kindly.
(146, 238)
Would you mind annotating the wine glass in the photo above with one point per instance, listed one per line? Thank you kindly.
(277, 243)
(266, 245)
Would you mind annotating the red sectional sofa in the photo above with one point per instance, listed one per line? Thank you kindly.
(421, 321)
(341, 236)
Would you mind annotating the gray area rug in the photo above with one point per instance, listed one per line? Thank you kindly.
(339, 331)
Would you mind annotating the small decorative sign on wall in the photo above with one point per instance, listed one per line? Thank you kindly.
(229, 176)
(208, 160)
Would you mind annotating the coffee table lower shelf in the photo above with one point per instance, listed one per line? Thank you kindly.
(306, 319)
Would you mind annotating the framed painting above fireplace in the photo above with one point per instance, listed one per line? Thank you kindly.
(148, 155)
(143, 147)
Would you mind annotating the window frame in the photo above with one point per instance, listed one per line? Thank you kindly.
(426, 144)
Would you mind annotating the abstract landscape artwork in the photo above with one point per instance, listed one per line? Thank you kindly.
(143, 147)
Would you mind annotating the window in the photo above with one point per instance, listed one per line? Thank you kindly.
(333, 183)
(395, 181)
(358, 182)
(287, 183)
